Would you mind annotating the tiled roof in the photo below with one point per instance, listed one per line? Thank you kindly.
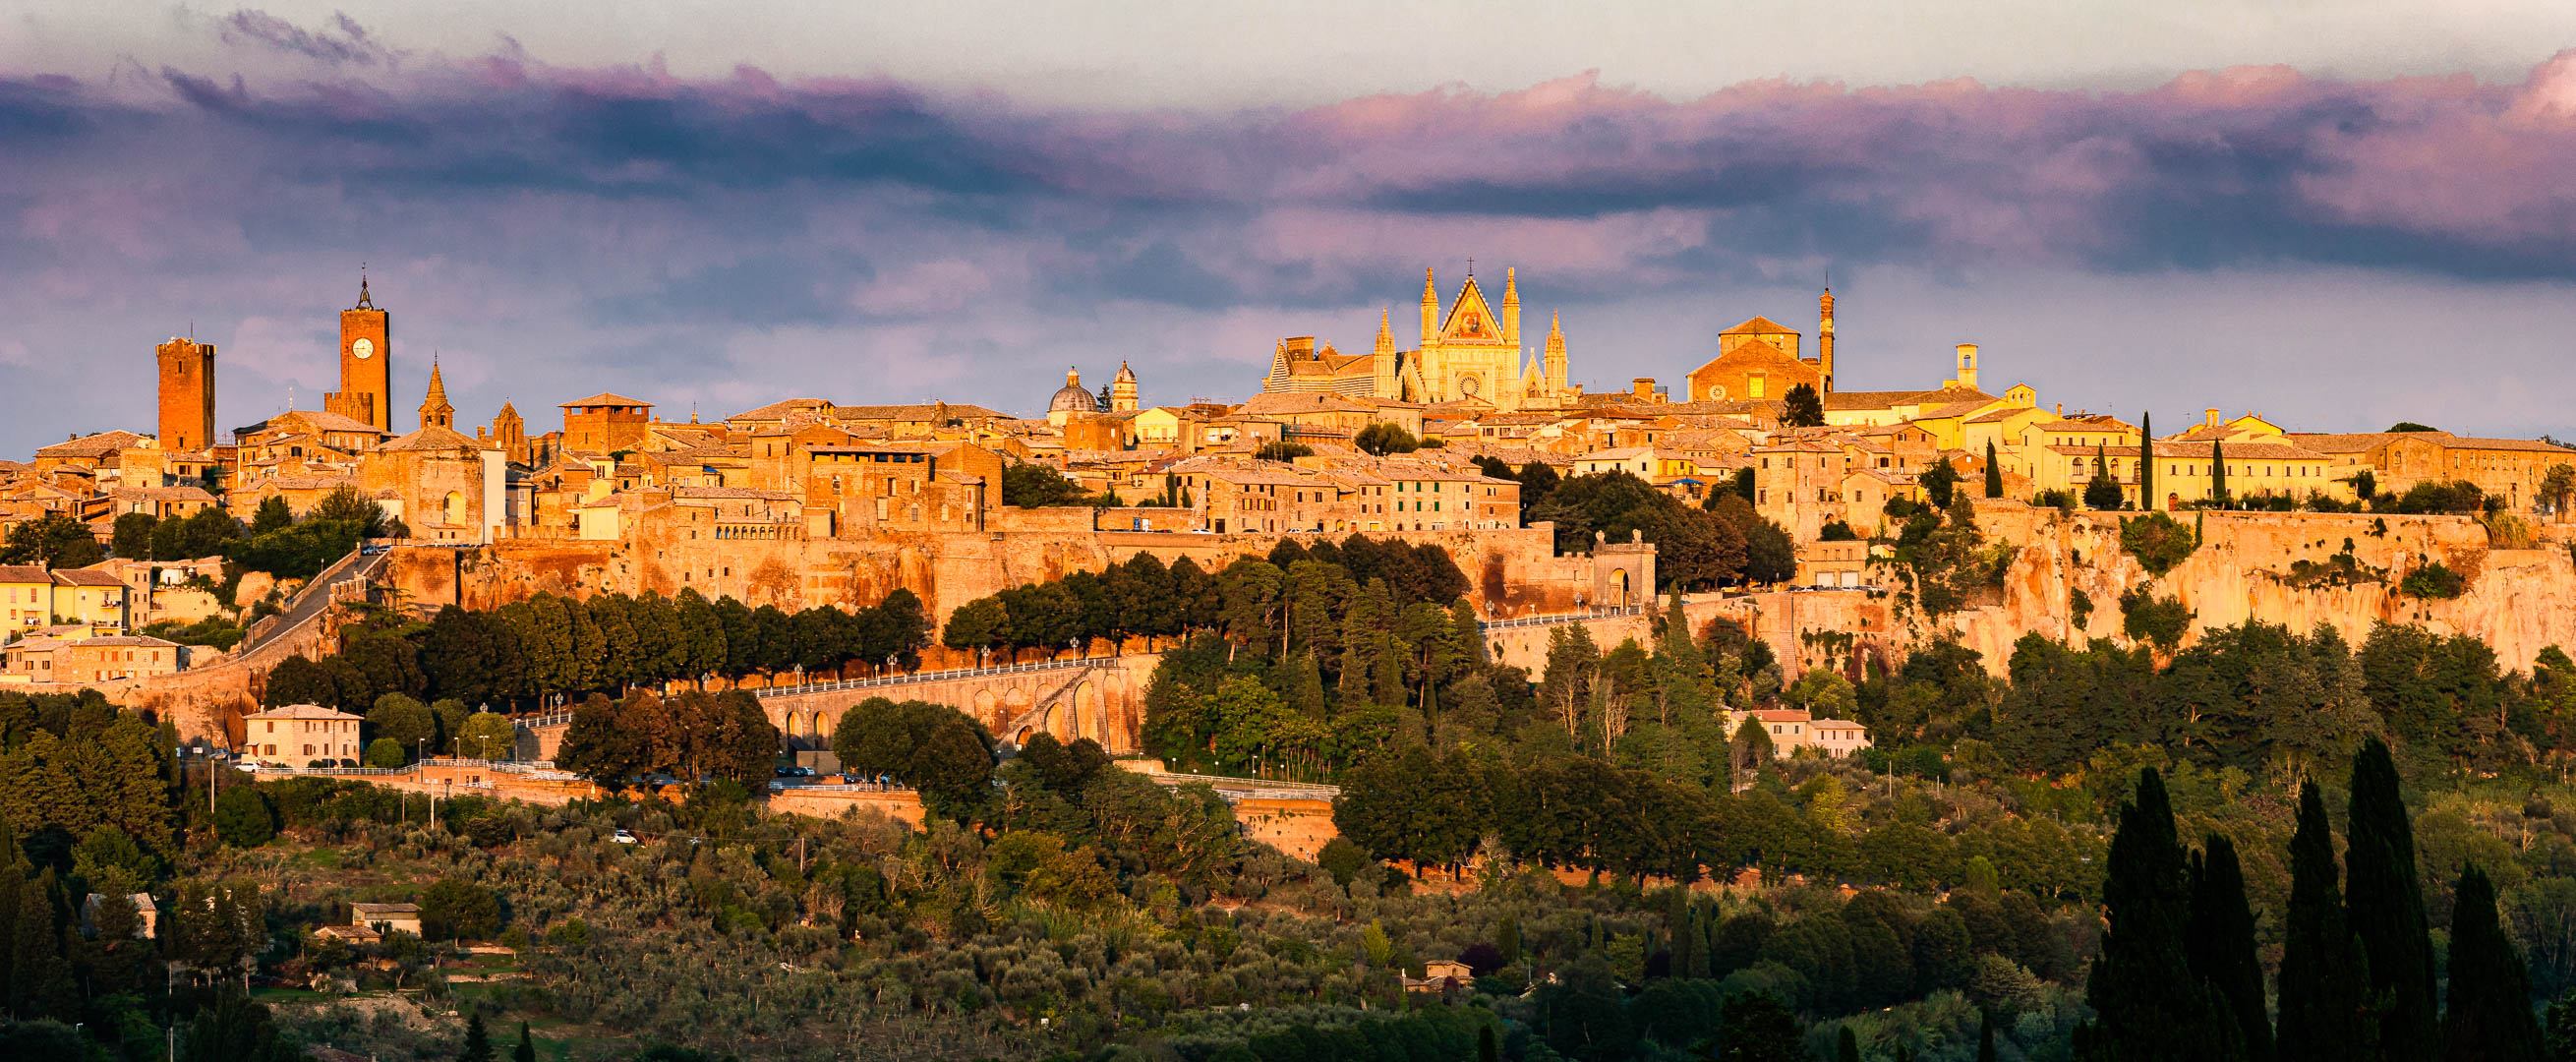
(1759, 325)
(303, 711)
(607, 398)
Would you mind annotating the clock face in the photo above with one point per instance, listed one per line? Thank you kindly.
(363, 348)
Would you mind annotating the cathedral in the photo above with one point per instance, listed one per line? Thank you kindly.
(1472, 354)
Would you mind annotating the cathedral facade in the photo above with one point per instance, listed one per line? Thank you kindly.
(1472, 353)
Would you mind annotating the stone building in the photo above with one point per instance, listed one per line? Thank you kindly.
(300, 733)
(366, 365)
(605, 423)
(1473, 353)
(187, 394)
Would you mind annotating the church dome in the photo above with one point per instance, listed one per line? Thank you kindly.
(1071, 398)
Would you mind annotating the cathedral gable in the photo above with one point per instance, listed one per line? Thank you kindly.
(1471, 319)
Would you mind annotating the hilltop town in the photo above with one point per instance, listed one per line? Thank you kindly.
(1745, 638)
(1443, 437)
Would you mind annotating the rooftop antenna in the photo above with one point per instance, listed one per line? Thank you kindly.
(1471, 265)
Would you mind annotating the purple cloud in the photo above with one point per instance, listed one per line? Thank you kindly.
(555, 230)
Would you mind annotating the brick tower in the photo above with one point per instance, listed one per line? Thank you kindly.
(187, 370)
(366, 369)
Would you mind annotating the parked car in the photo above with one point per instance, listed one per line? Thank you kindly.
(622, 837)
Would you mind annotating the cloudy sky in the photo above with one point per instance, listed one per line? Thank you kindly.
(2339, 214)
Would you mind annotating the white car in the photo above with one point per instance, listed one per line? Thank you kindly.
(622, 837)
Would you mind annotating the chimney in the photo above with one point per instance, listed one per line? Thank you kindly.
(2210, 417)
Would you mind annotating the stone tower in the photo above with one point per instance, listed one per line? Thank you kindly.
(366, 365)
(1426, 359)
(187, 370)
(1825, 338)
(435, 412)
(1554, 366)
(1122, 390)
(508, 434)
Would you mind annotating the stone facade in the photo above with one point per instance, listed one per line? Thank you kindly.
(187, 394)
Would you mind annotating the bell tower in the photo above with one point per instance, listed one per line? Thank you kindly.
(187, 370)
(1825, 338)
(366, 370)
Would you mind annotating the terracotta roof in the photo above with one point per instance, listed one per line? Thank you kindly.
(99, 445)
(779, 410)
(915, 411)
(430, 438)
(1759, 325)
(301, 711)
(607, 398)
(2234, 451)
(24, 573)
(84, 577)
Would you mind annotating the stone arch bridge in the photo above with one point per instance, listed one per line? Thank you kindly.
(1101, 698)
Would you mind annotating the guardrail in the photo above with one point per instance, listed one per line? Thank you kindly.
(540, 771)
(1561, 617)
(924, 676)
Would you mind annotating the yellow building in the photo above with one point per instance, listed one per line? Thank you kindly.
(2254, 469)
(83, 595)
(298, 734)
(26, 599)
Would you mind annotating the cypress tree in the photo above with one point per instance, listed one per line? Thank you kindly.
(2146, 461)
(527, 1049)
(1684, 936)
(1994, 473)
(2220, 943)
(1846, 1046)
(2490, 1017)
(2326, 1011)
(2147, 1002)
(1703, 926)
(2217, 473)
(2384, 904)
(1986, 1036)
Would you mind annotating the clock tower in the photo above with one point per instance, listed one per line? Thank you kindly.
(366, 370)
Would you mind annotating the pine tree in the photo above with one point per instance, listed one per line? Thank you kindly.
(478, 1043)
(2326, 1014)
(1994, 473)
(2147, 461)
(2220, 942)
(2490, 1018)
(2148, 1004)
(2385, 905)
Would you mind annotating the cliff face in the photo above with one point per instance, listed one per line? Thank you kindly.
(1514, 571)
(2292, 569)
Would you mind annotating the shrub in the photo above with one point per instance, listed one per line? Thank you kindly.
(1836, 531)
(2160, 622)
(2434, 581)
(384, 752)
(2158, 541)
